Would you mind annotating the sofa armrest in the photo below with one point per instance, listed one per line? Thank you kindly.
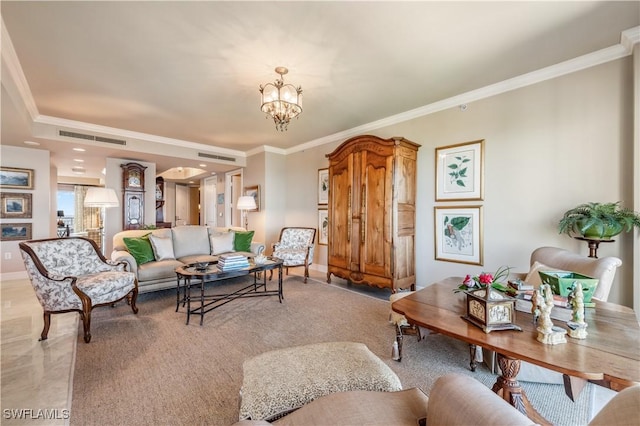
(481, 405)
(123, 256)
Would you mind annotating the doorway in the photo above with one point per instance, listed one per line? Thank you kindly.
(233, 187)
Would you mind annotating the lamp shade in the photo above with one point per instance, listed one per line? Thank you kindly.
(101, 197)
(246, 202)
(60, 213)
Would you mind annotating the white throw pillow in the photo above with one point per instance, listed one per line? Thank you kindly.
(533, 277)
(162, 247)
(222, 243)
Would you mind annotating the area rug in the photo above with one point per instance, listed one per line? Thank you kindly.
(153, 369)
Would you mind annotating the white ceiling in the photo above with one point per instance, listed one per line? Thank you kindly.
(175, 78)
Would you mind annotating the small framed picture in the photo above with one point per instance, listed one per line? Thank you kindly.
(459, 171)
(12, 178)
(323, 186)
(15, 205)
(458, 234)
(323, 227)
(253, 191)
(15, 231)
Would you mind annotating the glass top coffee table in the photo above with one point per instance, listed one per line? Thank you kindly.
(189, 276)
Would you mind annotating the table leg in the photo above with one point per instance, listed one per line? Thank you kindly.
(202, 301)
(280, 293)
(472, 355)
(187, 295)
(508, 387)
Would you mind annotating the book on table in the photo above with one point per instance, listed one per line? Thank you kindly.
(232, 262)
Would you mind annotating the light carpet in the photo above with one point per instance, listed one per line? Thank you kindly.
(152, 369)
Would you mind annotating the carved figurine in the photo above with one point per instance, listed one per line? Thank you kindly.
(535, 309)
(577, 325)
(547, 332)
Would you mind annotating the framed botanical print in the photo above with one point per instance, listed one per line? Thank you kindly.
(458, 234)
(12, 178)
(15, 231)
(459, 171)
(15, 205)
(323, 227)
(323, 186)
(253, 191)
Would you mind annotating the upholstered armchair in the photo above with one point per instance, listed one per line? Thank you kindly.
(70, 274)
(295, 248)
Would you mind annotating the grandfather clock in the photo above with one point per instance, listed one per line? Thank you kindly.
(133, 195)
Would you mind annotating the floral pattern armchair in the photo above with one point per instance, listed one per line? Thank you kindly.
(70, 274)
(295, 248)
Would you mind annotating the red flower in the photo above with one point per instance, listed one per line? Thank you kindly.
(468, 281)
(485, 279)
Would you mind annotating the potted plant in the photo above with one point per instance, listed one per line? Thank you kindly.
(598, 221)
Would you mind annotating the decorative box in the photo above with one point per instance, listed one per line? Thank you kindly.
(490, 310)
(561, 282)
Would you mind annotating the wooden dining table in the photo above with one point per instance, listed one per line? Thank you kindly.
(609, 356)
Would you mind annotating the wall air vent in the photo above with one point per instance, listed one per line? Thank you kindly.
(216, 157)
(91, 137)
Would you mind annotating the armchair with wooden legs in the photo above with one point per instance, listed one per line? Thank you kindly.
(70, 274)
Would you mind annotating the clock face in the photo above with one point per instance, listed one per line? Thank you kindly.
(134, 178)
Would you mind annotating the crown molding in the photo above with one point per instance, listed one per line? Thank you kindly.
(17, 78)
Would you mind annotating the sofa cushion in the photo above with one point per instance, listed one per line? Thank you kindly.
(161, 269)
(190, 240)
(222, 242)
(140, 248)
(242, 240)
(162, 247)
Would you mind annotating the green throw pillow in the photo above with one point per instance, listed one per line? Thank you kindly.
(242, 240)
(140, 248)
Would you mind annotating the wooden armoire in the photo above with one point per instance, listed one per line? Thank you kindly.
(372, 210)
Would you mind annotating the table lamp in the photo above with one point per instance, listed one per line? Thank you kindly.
(60, 216)
(102, 198)
(246, 203)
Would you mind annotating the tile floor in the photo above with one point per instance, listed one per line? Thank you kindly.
(37, 376)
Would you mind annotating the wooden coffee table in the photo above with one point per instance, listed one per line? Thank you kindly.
(609, 356)
(188, 276)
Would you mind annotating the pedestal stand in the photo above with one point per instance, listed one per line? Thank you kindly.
(593, 245)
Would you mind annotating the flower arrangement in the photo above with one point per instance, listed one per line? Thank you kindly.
(485, 279)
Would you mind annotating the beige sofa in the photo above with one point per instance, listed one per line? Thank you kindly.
(188, 244)
(455, 399)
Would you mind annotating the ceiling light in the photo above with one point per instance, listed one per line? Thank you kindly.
(202, 165)
(281, 101)
(78, 160)
(31, 143)
(79, 149)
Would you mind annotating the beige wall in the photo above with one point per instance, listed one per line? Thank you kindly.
(43, 220)
(548, 147)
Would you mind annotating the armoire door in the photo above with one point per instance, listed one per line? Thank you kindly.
(376, 186)
(340, 213)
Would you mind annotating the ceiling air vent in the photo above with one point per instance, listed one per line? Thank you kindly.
(91, 137)
(216, 157)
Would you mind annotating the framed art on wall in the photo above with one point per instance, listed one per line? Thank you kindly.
(323, 227)
(253, 191)
(323, 186)
(458, 234)
(15, 231)
(15, 205)
(459, 171)
(12, 178)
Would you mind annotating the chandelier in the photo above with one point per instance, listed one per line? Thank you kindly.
(281, 101)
